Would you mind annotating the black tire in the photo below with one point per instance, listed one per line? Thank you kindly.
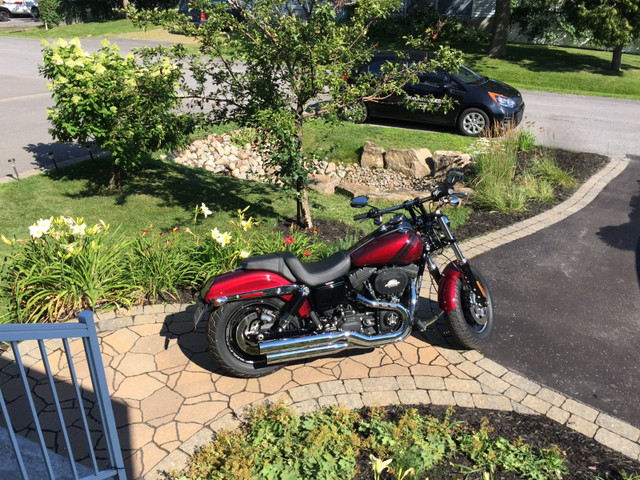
(358, 113)
(473, 122)
(230, 347)
(471, 326)
(35, 13)
(4, 16)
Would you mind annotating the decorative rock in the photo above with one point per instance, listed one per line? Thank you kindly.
(406, 178)
(411, 163)
(443, 161)
(323, 184)
(372, 156)
(353, 190)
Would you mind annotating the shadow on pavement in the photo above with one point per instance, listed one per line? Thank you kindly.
(48, 156)
(24, 424)
(627, 235)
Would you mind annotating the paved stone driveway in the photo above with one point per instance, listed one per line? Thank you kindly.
(169, 396)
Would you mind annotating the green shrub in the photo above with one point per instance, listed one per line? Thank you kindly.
(278, 444)
(128, 106)
(50, 13)
(275, 443)
(502, 185)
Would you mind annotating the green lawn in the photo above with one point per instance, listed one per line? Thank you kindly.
(344, 142)
(561, 70)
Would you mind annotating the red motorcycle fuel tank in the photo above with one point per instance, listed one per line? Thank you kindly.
(387, 246)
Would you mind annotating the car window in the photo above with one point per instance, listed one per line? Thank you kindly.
(376, 66)
(433, 79)
(465, 74)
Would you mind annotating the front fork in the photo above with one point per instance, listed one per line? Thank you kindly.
(463, 263)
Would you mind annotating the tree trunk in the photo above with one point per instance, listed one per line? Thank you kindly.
(304, 212)
(115, 181)
(501, 21)
(125, 4)
(616, 59)
(302, 199)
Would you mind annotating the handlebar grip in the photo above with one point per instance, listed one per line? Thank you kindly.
(362, 216)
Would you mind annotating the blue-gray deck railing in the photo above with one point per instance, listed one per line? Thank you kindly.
(86, 330)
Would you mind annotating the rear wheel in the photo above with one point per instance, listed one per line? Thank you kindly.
(357, 113)
(232, 332)
(4, 16)
(470, 323)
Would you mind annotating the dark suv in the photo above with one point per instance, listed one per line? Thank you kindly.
(481, 103)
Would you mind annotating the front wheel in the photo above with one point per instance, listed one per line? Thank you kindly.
(232, 334)
(471, 324)
(473, 122)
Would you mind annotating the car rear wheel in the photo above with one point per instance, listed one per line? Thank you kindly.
(357, 113)
(473, 122)
(35, 13)
(4, 16)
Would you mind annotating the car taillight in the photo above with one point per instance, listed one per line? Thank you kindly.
(203, 16)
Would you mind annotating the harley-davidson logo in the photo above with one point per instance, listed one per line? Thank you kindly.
(393, 283)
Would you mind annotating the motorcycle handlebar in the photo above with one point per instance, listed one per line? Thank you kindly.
(437, 195)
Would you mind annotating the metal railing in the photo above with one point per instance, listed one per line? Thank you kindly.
(103, 431)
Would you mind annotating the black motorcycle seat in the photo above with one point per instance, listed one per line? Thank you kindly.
(291, 268)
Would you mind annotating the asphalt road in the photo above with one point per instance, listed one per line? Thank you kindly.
(567, 301)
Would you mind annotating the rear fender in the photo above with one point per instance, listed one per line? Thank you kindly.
(247, 284)
(447, 288)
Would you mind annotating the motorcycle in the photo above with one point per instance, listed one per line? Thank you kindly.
(274, 309)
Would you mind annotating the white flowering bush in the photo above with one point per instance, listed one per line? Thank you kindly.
(127, 105)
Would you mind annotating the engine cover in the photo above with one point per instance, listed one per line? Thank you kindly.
(390, 281)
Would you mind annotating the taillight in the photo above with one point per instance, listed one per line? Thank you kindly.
(203, 16)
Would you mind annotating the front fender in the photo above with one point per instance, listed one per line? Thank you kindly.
(447, 287)
(250, 283)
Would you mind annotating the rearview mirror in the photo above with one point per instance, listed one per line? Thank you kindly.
(454, 176)
(359, 202)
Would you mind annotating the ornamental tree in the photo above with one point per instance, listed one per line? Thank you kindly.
(273, 64)
(126, 105)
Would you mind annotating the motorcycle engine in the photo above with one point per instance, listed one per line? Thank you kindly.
(387, 284)
(390, 281)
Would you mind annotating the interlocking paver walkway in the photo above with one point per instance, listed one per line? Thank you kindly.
(169, 396)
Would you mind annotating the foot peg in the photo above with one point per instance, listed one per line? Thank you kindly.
(421, 325)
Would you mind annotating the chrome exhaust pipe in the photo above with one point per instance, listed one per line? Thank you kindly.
(289, 349)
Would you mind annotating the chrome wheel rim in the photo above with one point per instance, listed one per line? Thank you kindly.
(474, 123)
(356, 113)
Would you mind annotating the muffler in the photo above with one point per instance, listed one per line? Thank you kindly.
(300, 348)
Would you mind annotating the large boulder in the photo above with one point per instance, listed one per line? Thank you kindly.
(372, 156)
(395, 196)
(323, 183)
(353, 190)
(443, 161)
(412, 163)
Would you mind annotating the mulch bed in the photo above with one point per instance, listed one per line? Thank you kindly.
(584, 457)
